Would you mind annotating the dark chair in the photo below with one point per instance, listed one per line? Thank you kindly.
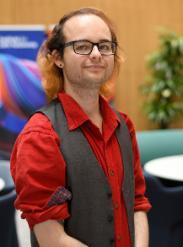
(6, 176)
(166, 215)
(8, 234)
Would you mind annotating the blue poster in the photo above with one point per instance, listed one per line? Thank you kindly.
(21, 41)
(21, 91)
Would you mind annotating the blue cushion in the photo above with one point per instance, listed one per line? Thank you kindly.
(158, 143)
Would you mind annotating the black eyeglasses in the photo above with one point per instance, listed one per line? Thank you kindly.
(85, 47)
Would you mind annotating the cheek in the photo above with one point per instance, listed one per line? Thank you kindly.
(74, 61)
(113, 61)
(111, 64)
(69, 58)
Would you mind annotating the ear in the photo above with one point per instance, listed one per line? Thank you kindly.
(57, 59)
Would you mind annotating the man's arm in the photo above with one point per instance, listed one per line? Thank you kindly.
(51, 233)
(141, 229)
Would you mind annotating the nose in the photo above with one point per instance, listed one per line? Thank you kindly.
(95, 53)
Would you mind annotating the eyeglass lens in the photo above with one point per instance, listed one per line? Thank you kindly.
(86, 47)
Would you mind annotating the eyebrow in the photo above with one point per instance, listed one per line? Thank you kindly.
(101, 40)
(104, 40)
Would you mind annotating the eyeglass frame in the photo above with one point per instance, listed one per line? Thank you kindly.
(71, 43)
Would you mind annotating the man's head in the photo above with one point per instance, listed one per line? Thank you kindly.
(83, 46)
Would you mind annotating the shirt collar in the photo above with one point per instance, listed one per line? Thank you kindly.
(110, 119)
(74, 113)
(76, 116)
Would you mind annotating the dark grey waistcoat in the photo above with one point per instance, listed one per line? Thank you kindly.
(91, 207)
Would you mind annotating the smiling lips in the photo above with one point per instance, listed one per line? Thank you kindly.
(95, 67)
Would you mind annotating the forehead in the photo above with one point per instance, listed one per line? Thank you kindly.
(89, 27)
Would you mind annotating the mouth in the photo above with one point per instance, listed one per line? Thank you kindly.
(95, 67)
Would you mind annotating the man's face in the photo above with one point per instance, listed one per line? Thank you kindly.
(86, 71)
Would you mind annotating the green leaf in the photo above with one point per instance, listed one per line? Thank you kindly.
(164, 83)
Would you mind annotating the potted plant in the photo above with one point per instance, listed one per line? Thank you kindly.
(164, 84)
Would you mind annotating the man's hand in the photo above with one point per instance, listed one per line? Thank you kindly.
(51, 233)
(68, 241)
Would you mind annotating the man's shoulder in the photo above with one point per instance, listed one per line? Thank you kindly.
(128, 121)
(124, 116)
(37, 122)
(37, 128)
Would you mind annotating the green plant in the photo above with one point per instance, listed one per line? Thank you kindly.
(164, 85)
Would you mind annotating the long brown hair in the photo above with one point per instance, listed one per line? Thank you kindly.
(52, 76)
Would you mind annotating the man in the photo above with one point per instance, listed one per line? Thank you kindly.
(76, 163)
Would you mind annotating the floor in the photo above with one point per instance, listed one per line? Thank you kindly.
(22, 231)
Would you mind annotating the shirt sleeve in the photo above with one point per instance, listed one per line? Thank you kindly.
(141, 201)
(38, 170)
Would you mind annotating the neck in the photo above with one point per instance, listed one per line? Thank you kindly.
(89, 102)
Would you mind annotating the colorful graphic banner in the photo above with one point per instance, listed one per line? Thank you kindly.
(21, 92)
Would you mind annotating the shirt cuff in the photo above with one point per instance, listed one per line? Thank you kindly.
(57, 212)
(142, 205)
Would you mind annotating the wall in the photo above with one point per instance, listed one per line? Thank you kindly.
(136, 22)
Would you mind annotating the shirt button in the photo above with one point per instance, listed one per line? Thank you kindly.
(118, 237)
(109, 194)
(111, 172)
(116, 205)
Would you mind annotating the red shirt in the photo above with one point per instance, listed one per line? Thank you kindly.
(38, 167)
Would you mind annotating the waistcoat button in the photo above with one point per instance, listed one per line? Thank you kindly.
(112, 240)
(109, 194)
(110, 218)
